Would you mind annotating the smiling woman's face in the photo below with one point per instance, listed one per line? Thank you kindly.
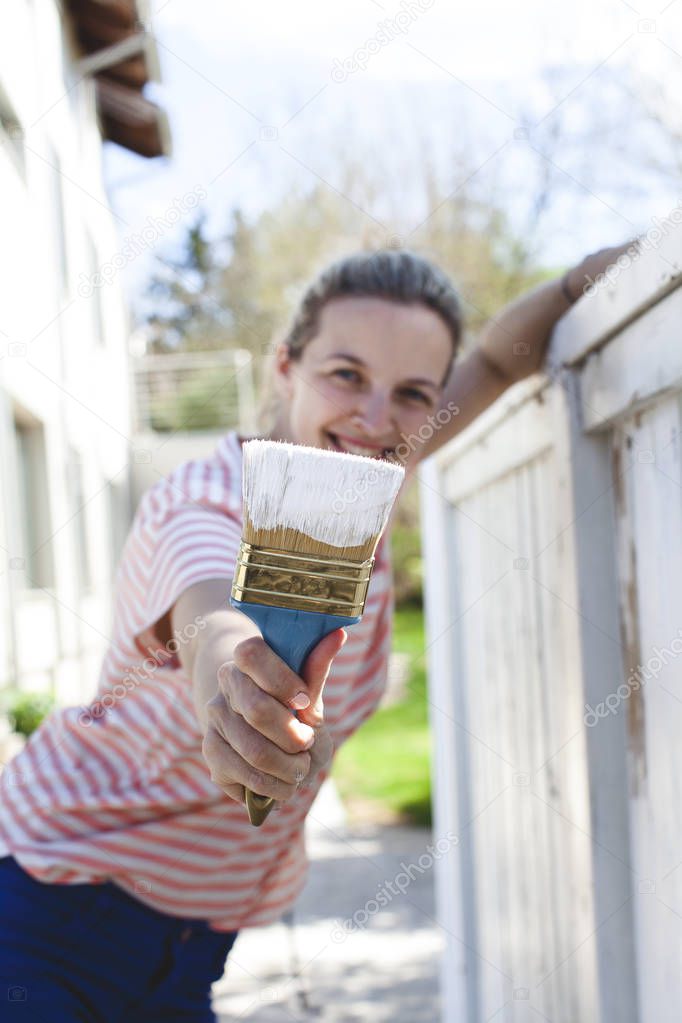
(371, 376)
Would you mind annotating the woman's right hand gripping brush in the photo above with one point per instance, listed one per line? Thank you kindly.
(252, 739)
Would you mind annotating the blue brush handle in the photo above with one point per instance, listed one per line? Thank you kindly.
(292, 635)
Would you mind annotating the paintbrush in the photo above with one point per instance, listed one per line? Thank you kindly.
(312, 521)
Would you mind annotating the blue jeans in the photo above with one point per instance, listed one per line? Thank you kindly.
(93, 954)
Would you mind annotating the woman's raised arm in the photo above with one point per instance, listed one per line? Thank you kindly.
(513, 343)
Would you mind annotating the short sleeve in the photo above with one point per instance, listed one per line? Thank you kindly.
(187, 529)
(194, 544)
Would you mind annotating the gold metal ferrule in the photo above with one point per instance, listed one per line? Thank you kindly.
(301, 582)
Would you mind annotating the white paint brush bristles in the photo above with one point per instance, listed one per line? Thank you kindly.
(314, 501)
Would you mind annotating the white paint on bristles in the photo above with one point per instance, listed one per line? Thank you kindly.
(330, 496)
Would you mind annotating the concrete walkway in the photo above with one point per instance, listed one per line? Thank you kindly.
(382, 966)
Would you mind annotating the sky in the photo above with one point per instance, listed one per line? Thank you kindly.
(263, 97)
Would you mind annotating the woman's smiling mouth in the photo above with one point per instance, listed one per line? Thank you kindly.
(354, 446)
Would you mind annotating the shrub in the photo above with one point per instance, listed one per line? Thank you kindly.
(26, 710)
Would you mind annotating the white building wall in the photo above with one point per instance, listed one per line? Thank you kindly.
(59, 372)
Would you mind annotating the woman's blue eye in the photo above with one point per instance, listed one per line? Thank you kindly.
(353, 373)
(410, 392)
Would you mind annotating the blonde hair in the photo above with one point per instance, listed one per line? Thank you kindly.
(399, 276)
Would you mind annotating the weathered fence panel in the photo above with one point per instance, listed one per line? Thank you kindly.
(558, 519)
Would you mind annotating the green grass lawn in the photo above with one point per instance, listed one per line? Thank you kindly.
(385, 765)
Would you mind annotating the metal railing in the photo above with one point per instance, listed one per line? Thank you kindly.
(194, 391)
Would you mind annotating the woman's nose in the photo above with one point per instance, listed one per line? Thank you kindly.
(374, 413)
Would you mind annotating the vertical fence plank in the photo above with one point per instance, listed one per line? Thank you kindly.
(448, 715)
(650, 702)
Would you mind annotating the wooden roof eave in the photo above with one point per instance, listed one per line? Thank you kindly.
(121, 56)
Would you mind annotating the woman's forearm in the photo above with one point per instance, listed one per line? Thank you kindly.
(214, 646)
(516, 338)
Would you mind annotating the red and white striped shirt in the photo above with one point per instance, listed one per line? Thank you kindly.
(120, 790)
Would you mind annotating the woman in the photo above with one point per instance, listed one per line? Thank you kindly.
(127, 860)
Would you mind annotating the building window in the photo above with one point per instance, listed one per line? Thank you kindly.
(35, 532)
(59, 222)
(12, 134)
(120, 517)
(79, 520)
(94, 299)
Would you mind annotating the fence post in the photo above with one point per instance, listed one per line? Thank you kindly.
(594, 645)
(454, 879)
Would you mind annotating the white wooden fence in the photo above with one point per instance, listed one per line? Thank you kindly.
(553, 536)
